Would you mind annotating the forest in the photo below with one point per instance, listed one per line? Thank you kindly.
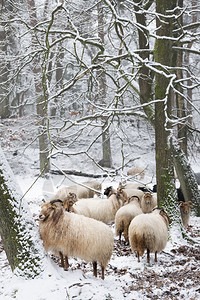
(89, 90)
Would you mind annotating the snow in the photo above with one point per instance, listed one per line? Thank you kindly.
(175, 276)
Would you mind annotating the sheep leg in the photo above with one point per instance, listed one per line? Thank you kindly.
(126, 236)
(62, 259)
(94, 268)
(148, 256)
(102, 272)
(66, 264)
(138, 257)
(120, 236)
(156, 256)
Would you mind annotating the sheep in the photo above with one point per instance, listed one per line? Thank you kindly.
(149, 232)
(95, 187)
(70, 199)
(137, 171)
(80, 191)
(131, 191)
(76, 236)
(134, 192)
(100, 209)
(109, 191)
(185, 212)
(125, 215)
(130, 185)
(148, 202)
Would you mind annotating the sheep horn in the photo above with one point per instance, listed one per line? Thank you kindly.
(54, 201)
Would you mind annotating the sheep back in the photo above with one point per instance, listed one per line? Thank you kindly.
(100, 209)
(124, 217)
(137, 171)
(148, 231)
(134, 192)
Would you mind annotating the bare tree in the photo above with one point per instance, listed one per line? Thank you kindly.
(106, 160)
(41, 97)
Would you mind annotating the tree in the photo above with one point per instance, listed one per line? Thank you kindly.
(163, 56)
(18, 232)
(106, 160)
(4, 69)
(41, 96)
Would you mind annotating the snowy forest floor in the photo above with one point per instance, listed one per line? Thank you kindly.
(176, 275)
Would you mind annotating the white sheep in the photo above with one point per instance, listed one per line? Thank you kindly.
(130, 185)
(137, 171)
(134, 192)
(100, 209)
(125, 215)
(148, 202)
(70, 235)
(87, 191)
(95, 186)
(149, 232)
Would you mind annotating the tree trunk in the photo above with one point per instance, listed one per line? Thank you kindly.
(19, 234)
(41, 101)
(180, 102)
(164, 159)
(106, 147)
(145, 80)
(4, 71)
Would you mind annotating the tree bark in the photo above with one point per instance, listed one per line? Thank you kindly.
(180, 102)
(164, 157)
(41, 101)
(4, 71)
(145, 80)
(187, 179)
(106, 160)
(18, 232)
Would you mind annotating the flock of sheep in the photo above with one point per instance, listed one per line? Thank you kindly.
(75, 222)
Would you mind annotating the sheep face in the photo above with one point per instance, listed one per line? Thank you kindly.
(109, 191)
(52, 211)
(121, 195)
(46, 211)
(147, 198)
(185, 207)
(70, 200)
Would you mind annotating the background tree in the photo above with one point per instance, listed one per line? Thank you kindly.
(106, 160)
(4, 67)
(41, 83)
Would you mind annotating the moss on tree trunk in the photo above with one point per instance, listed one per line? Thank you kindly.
(18, 232)
(164, 157)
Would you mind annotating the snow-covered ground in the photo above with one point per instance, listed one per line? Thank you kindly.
(175, 276)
